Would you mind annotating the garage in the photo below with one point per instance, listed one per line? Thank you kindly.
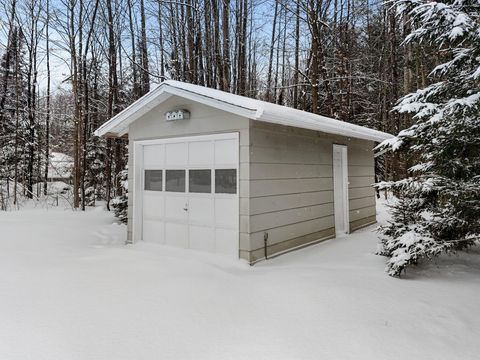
(225, 174)
(190, 192)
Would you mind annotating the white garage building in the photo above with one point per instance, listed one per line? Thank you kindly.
(218, 172)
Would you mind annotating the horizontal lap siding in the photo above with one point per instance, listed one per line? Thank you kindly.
(290, 186)
(293, 231)
(291, 201)
(361, 176)
(361, 192)
(264, 188)
(266, 171)
(291, 244)
(291, 216)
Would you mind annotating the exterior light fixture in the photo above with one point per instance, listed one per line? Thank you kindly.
(177, 115)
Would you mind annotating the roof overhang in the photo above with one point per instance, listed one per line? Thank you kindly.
(118, 125)
(235, 104)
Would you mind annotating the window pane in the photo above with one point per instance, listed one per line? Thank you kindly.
(153, 180)
(200, 181)
(226, 181)
(175, 180)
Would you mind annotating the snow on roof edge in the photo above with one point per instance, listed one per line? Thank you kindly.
(251, 108)
(106, 127)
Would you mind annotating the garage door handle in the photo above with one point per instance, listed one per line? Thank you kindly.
(185, 208)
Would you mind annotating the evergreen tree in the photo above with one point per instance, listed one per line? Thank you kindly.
(120, 202)
(95, 171)
(439, 204)
(13, 103)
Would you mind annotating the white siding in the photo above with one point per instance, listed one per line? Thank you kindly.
(291, 186)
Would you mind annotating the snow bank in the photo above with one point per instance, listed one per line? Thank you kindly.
(71, 289)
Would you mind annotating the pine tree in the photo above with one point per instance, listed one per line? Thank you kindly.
(120, 203)
(13, 104)
(95, 171)
(439, 204)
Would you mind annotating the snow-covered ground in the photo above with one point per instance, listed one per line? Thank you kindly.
(70, 289)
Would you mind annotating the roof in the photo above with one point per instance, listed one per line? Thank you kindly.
(235, 104)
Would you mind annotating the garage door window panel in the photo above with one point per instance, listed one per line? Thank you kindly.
(226, 181)
(200, 181)
(153, 180)
(175, 180)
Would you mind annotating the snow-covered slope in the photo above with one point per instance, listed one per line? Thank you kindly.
(70, 289)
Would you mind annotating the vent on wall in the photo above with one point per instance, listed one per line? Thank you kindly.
(177, 115)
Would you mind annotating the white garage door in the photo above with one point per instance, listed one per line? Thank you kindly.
(190, 193)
